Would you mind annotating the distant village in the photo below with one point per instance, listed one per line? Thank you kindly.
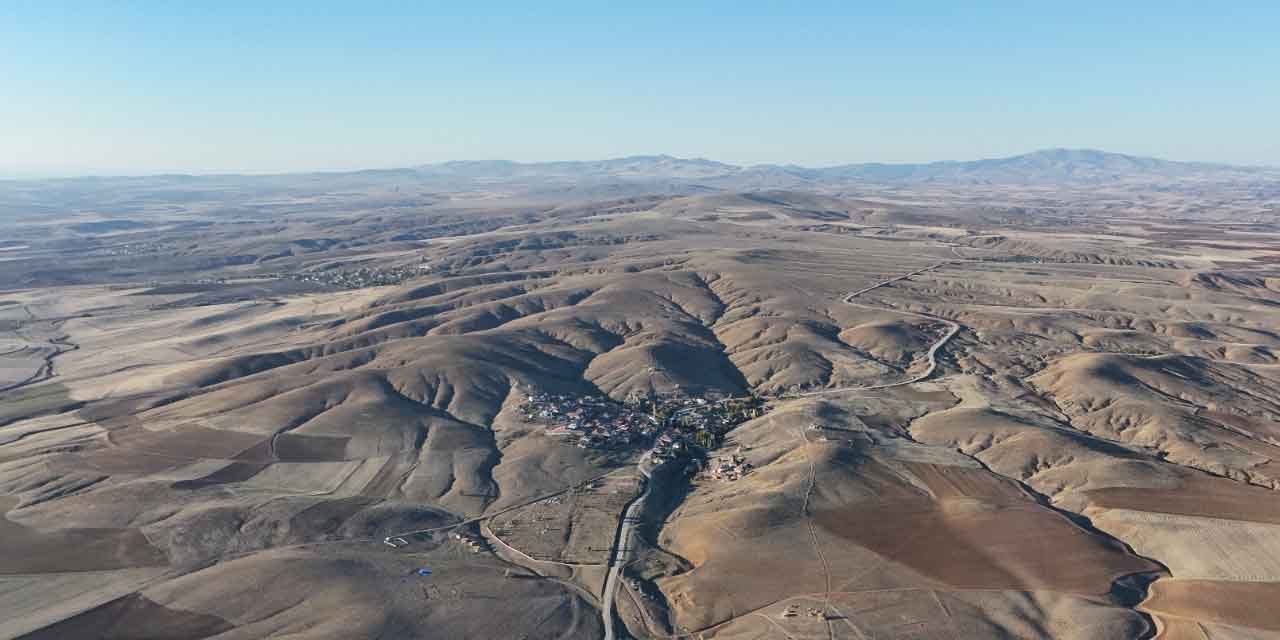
(361, 277)
(672, 426)
(345, 279)
(130, 249)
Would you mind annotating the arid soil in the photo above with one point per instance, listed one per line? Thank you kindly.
(308, 427)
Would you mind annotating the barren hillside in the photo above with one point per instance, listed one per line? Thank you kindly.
(812, 412)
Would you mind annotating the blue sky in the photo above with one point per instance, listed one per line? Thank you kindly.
(233, 86)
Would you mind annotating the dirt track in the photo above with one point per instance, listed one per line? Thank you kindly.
(61, 345)
(932, 355)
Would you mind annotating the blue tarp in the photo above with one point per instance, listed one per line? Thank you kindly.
(424, 572)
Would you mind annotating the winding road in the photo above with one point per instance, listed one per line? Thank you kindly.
(932, 355)
(622, 549)
(60, 344)
(626, 527)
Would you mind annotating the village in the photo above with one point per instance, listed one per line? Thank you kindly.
(360, 277)
(673, 430)
(673, 426)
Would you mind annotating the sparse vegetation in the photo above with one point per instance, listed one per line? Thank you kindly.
(412, 404)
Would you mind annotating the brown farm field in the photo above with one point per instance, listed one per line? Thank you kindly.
(720, 410)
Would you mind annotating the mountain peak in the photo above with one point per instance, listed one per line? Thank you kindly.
(1043, 166)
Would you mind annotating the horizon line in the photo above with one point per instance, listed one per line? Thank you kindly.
(38, 175)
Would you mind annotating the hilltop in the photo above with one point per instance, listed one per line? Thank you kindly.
(376, 404)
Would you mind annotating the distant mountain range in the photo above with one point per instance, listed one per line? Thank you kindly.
(1050, 166)
(612, 179)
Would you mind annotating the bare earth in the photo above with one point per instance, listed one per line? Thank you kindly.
(987, 412)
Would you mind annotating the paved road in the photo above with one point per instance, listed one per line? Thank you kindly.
(622, 549)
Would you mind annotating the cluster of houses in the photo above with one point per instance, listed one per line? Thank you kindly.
(669, 446)
(361, 277)
(793, 610)
(131, 249)
(728, 468)
(706, 422)
(673, 425)
(595, 422)
(472, 543)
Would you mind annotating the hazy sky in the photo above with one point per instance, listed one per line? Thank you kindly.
(272, 86)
